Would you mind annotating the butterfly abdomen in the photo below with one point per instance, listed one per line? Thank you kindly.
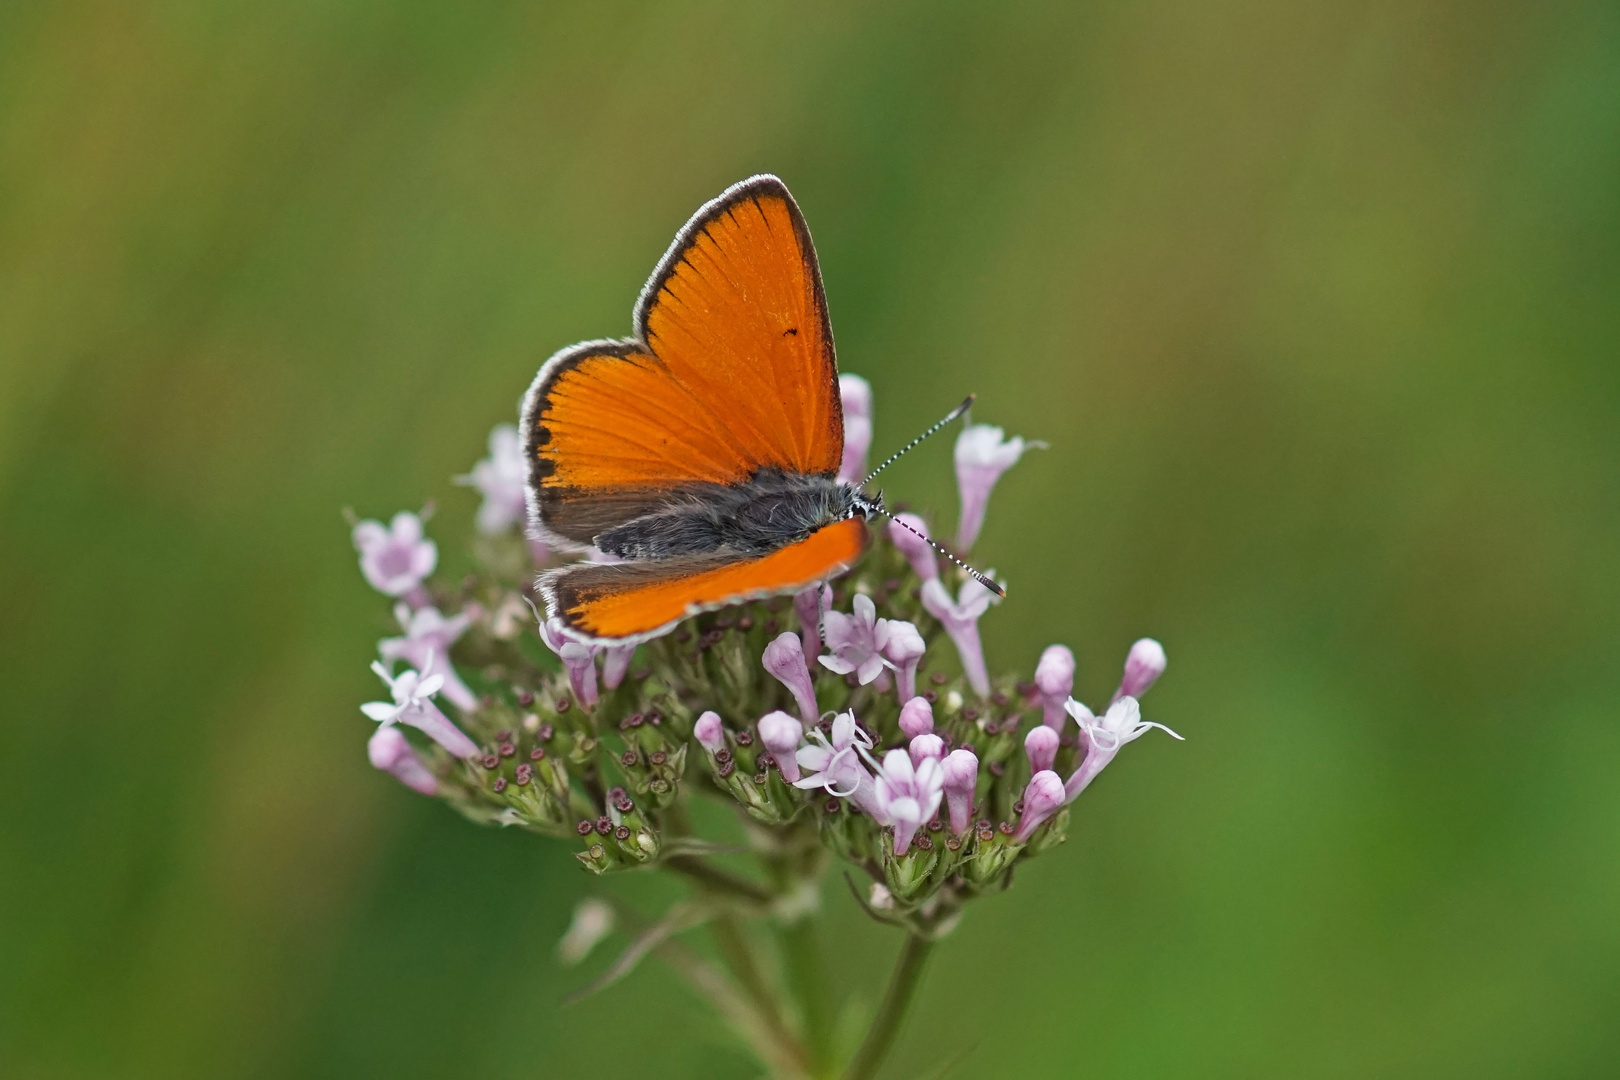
(758, 516)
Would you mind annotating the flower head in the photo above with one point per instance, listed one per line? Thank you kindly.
(853, 640)
(1054, 682)
(903, 647)
(392, 753)
(577, 657)
(1043, 797)
(909, 533)
(1102, 737)
(983, 453)
(961, 775)
(856, 393)
(499, 479)
(395, 559)
(784, 659)
(428, 633)
(1143, 666)
(412, 692)
(960, 618)
(908, 794)
(781, 735)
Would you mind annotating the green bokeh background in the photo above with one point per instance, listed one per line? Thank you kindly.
(1318, 305)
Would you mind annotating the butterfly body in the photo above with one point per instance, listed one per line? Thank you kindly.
(701, 454)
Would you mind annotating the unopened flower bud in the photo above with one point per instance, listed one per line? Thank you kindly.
(1041, 744)
(927, 745)
(781, 735)
(1042, 798)
(917, 718)
(1143, 666)
(961, 776)
(1054, 682)
(593, 921)
(784, 659)
(708, 732)
(392, 753)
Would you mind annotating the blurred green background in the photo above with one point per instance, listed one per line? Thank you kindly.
(1318, 305)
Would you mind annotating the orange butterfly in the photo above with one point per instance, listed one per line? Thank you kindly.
(703, 451)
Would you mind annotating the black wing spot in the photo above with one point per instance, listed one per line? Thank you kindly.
(792, 331)
(544, 467)
(542, 435)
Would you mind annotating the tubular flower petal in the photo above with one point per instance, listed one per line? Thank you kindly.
(903, 647)
(395, 559)
(960, 618)
(1043, 797)
(709, 733)
(1041, 745)
(983, 453)
(390, 752)
(853, 640)
(578, 658)
(835, 765)
(908, 795)
(916, 718)
(429, 633)
(961, 776)
(809, 605)
(916, 549)
(1143, 666)
(616, 664)
(781, 735)
(499, 479)
(856, 393)
(784, 659)
(926, 746)
(412, 691)
(1102, 737)
(1054, 682)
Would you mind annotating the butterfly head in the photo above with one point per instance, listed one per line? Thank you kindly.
(867, 506)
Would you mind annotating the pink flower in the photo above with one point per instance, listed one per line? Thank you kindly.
(709, 732)
(1103, 736)
(982, 455)
(615, 664)
(412, 692)
(916, 717)
(392, 753)
(856, 393)
(960, 618)
(903, 648)
(578, 658)
(853, 641)
(499, 479)
(808, 605)
(1054, 682)
(781, 735)
(927, 745)
(908, 794)
(835, 765)
(396, 559)
(1143, 666)
(429, 633)
(1041, 745)
(961, 774)
(784, 659)
(916, 549)
(1043, 796)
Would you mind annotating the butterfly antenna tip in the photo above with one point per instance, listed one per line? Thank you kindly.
(892, 458)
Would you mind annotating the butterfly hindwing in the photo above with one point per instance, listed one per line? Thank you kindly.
(636, 600)
(732, 371)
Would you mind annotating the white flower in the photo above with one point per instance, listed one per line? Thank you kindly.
(413, 692)
(1103, 736)
(835, 765)
(983, 453)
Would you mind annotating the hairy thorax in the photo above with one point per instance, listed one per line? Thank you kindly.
(756, 517)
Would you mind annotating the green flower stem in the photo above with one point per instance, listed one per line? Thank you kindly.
(719, 881)
(738, 953)
(908, 967)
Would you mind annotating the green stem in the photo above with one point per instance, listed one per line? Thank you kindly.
(718, 880)
(801, 956)
(886, 1025)
(738, 953)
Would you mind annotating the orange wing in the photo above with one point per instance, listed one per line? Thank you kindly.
(638, 600)
(732, 370)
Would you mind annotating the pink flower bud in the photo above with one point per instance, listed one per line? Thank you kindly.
(708, 732)
(1041, 744)
(927, 746)
(390, 752)
(781, 735)
(856, 393)
(916, 717)
(1143, 667)
(914, 547)
(784, 659)
(1042, 798)
(961, 777)
(1054, 682)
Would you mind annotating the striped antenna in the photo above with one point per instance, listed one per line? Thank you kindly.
(958, 411)
(974, 574)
